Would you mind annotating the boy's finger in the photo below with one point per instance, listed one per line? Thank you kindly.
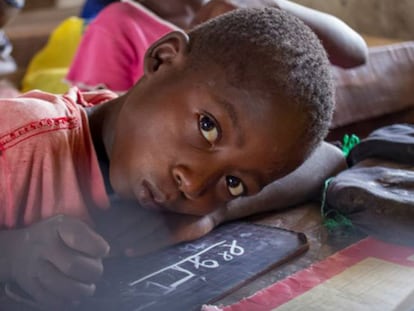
(62, 286)
(45, 300)
(78, 236)
(74, 265)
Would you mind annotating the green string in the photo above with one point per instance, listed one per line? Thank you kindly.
(332, 219)
(348, 143)
(337, 221)
(325, 190)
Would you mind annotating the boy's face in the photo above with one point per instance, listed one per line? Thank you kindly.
(189, 142)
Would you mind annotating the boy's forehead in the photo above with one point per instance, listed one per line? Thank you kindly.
(254, 104)
(269, 122)
(252, 100)
(255, 95)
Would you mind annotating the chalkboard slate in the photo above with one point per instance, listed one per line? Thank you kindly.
(185, 276)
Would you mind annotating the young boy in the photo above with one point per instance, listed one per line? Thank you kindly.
(240, 102)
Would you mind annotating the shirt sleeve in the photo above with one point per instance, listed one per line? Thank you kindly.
(48, 165)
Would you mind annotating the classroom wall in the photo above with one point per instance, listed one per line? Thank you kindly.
(389, 18)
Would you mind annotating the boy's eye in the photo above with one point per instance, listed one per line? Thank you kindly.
(208, 128)
(235, 186)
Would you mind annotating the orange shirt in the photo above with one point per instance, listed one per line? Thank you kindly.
(48, 164)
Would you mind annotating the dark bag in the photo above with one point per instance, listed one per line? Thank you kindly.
(394, 142)
(376, 195)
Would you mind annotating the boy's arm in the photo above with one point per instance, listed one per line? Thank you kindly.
(300, 186)
(345, 47)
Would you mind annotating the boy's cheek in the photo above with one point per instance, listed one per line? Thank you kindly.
(119, 182)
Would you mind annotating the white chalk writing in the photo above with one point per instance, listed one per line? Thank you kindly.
(170, 277)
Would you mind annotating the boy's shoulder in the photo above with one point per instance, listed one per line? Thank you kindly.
(46, 137)
(30, 106)
(40, 104)
(36, 105)
(37, 113)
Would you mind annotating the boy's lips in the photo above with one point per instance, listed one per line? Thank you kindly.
(150, 197)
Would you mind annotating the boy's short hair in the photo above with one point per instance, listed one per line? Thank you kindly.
(272, 51)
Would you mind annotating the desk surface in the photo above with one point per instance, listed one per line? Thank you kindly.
(307, 219)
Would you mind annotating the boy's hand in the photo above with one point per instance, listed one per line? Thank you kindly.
(215, 8)
(57, 260)
(135, 231)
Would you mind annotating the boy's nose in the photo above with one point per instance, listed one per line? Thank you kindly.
(191, 183)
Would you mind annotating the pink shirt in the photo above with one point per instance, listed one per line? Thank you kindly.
(48, 164)
(112, 49)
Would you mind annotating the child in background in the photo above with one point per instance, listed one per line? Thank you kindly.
(122, 32)
(179, 12)
(49, 67)
(127, 28)
(218, 114)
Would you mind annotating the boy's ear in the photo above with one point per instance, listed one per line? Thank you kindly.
(170, 49)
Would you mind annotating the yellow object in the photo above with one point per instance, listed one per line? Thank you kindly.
(50, 65)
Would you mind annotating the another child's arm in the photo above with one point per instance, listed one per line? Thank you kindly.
(345, 47)
(300, 186)
(55, 261)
